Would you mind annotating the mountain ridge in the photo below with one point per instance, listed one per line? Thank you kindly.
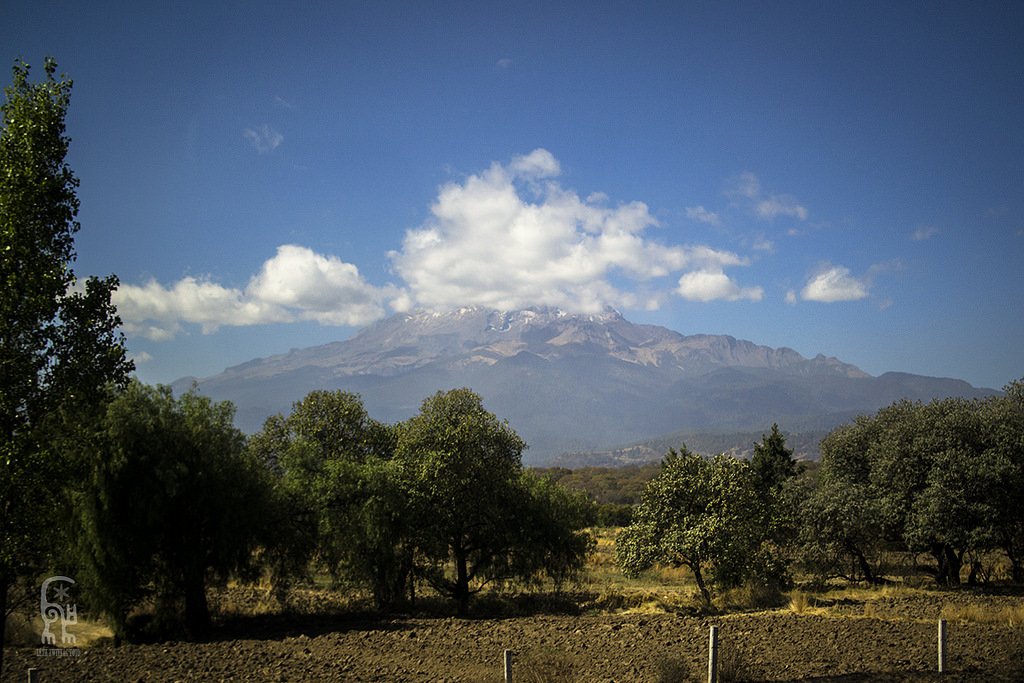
(570, 382)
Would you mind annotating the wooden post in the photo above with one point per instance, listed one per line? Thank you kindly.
(33, 676)
(942, 645)
(713, 655)
(508, 666)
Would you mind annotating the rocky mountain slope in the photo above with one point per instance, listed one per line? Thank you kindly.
(571, 382)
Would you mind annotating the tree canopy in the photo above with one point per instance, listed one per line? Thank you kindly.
(59, 344)
(942, 478)
(172, 499)
(705, 514)
(772, 461)
(475, 510)
(347, 495)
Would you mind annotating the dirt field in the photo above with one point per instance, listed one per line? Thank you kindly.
(877, 638)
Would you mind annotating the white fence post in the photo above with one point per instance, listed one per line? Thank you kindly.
(942, 645)
(508, 666)
(713, 655)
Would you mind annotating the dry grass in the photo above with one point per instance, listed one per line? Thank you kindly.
(980, 614)
(26, 630)
(546, 665)
(675, 670)
(800, 602)
(618, 599)
(733, 666)
(750, 598)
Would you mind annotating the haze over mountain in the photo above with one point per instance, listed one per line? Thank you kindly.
(571, 382)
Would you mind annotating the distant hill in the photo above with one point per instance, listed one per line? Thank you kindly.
(570, 383)
(736, 444)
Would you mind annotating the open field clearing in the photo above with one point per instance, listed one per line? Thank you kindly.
(637, 634)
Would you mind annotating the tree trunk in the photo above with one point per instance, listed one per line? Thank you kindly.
(4, 584)
(862, 563)
(461, 583)
(949, 564)
(197, 612)
(699, 578)
(1011, 552)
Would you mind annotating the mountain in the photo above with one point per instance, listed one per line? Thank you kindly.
(571, 382)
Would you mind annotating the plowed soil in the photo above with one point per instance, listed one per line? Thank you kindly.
(877, 639)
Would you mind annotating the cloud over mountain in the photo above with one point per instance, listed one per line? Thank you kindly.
(297, 284)
(507, 238)
(513, 236)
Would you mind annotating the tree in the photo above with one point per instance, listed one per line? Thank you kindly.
(551, 542)
(348, 496)
(59, 345)
(841, 520)
(772, 462)
(1004, 422)
(703, 514)
(172, 500)
(474, 514)
(941, 478)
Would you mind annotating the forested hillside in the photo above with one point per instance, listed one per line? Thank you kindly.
(736, 444)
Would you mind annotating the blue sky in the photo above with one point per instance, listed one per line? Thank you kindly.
(837, 177)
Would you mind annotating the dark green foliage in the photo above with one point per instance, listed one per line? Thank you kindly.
(58, 342)
(942, 478)
(376, 504)
(606, 485)
(772, 461)
(705, 514)
(172, 501)
(348, 499)
(550, 543)
(478, 519)
(612, 515)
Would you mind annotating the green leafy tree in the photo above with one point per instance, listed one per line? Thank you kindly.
(941, 478)
(348, 497)
(172, 502)
(477, 522)
(551, 520)
(59, 344)
(925, 473)
(772, 462)
(704, 514)
(1004, 421)
(842, 530)
(838, 534)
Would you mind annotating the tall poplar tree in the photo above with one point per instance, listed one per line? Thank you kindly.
(59, 343)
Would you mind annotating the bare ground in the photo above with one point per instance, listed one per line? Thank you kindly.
(851, 639)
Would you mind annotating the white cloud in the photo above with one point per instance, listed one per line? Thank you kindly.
(781, 205)
(263, 139)
(702, 215)
(297, 284)
(748, 186)
(316, 287)
(503, 63)
(710, 285)
(538, 164)
(924, 232)
(829, 284)
(488, 246)
(507, 238)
